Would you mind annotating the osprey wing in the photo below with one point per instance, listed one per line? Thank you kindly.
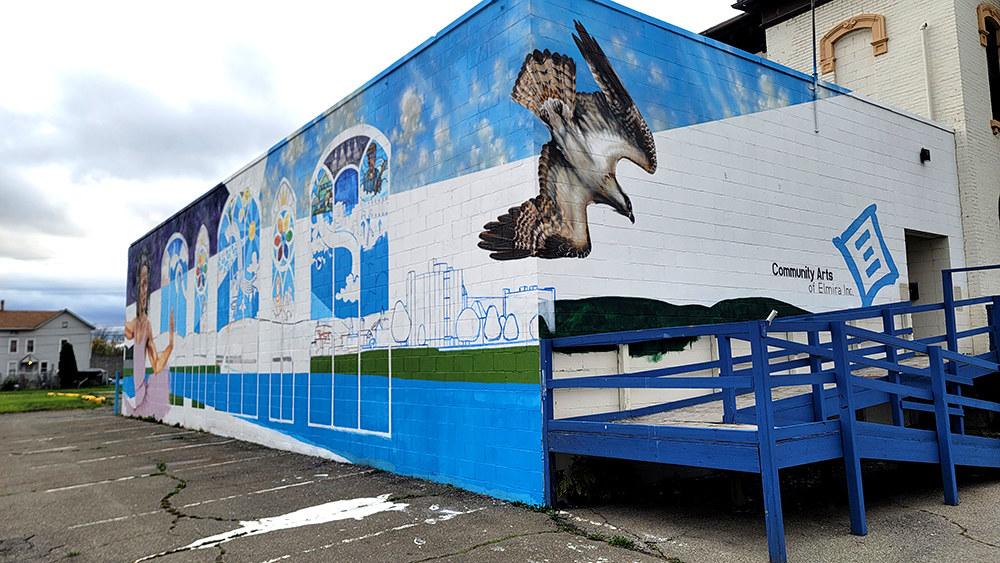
(545, 75)
(623, 113)
(551, 225)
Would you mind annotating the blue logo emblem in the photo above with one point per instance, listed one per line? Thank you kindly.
(867, 256)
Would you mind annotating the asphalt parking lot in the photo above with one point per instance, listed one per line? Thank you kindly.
(89, 486)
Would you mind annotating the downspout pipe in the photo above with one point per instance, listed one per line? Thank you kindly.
(927, 71)
(815, 84)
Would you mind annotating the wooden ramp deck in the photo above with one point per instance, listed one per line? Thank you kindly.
(794, 400)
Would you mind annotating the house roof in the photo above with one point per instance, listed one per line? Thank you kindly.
(29, 320)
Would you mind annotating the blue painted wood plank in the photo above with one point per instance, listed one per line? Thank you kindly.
(672, 370)
(799, 348)
(805, 430)
(721, 435)
(628, 336)
(693, 453)
(974, 403)
(971, 332)
(922, 407)
(619, 382)
(976, 451)
(894, 449)
(892, 388)
(811, 449)
(885, 339)
(970, 360)
(872, 362)
(652, 409)
(777, 367)
(803, 379)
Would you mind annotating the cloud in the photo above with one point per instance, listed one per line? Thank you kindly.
(25, 209)
(97, 301)
(103, 127)
(250, 74)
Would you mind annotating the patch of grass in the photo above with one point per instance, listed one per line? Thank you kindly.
(73, 554)
(540, 508)
(29, 400)
(622, 542)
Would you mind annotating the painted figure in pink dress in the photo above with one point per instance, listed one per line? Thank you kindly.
(152, 392)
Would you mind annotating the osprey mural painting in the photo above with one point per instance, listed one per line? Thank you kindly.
(591, 132)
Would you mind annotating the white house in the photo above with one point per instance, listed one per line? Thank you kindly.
(31, 341)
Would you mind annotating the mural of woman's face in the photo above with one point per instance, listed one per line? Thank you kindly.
(143, 287)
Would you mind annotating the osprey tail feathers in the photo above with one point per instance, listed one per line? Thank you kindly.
(545, 76)
(531, 230)
(511, 236)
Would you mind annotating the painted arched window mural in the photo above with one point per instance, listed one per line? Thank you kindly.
(282, 252)
(349, 240)
(350, 282)
(239, 259)
(201, 255)
(173, 285)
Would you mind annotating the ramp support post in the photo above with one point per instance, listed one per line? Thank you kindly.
(764, 407)
(726, 368)
(895, 402)
(818, 393)
(943, 425)
(848, 429)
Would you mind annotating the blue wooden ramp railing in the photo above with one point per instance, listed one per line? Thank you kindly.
(807, 378)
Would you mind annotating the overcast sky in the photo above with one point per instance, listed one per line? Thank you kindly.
(115, 115)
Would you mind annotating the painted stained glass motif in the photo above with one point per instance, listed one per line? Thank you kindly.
(239, 259)
(173, 285)
(282, 251)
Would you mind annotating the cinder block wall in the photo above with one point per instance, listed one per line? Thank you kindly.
(959, 96)
(331, 297)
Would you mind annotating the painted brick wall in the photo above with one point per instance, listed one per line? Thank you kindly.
(331, 297)
(733, 197)
(959, 95)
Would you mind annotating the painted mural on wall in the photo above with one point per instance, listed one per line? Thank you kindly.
(239, 259)
(438, 311)
(378, 333)
(350, 240)
(867, 255)
(150, 387)
(591, 132)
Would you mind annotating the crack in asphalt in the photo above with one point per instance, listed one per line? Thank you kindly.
(167, 506)
(965, 531)
(653, 549)
(486, 543)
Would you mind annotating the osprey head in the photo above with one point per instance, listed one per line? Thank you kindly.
(611, 193)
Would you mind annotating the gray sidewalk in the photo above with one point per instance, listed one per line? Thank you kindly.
(89, 486)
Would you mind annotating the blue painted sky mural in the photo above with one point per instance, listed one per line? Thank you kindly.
(447, 111)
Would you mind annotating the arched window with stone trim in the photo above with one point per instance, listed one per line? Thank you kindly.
(989, 36)
(849, 40)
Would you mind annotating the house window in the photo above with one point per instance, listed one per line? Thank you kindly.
(65, 324)
(29, 346)
(12, 347)
(45, 367)
(11, 368)
(989, 30)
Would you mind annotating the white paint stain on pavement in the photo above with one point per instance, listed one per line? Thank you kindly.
(321, 514)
